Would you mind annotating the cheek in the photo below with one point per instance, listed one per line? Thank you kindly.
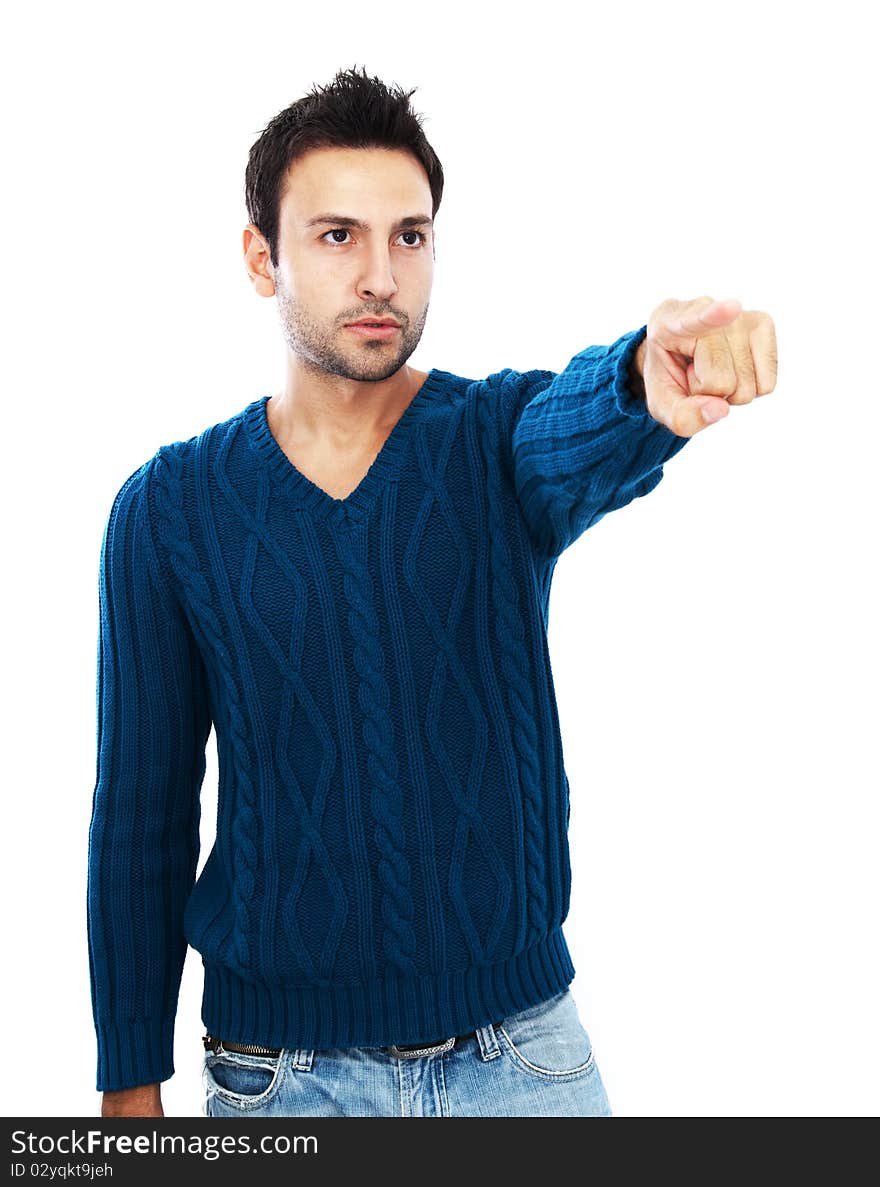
(318, 289)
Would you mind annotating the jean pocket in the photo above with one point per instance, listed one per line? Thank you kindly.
(244, 1080)
(548, 1040)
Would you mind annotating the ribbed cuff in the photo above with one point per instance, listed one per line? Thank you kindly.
(629, 402)
(134, 1053)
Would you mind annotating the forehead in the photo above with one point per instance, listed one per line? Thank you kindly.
(375, 184)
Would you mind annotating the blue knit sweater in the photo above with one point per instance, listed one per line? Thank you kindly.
(391, 859)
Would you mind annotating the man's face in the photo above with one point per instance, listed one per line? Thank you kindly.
(330, 274)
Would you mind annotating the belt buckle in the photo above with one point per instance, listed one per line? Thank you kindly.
(418, 1052)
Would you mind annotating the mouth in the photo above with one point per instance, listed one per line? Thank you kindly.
(373, 329)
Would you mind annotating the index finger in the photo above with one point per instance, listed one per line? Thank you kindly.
(704, 318)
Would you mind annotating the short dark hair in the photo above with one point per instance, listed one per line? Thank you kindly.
(352, 111)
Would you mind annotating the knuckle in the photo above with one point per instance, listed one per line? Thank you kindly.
(718, 385)
(744, 394)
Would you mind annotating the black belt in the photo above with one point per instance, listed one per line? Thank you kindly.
(402, 1050)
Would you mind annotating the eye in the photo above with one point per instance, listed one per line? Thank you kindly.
(422, 238)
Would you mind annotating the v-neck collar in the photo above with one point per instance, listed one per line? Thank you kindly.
(313, 497)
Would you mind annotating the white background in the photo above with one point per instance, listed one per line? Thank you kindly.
(714, 643)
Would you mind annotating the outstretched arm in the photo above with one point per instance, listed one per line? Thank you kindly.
(596, 436)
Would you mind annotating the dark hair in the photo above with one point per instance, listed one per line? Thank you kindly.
(352, 111)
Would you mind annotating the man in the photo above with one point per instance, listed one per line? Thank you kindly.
(349, 580)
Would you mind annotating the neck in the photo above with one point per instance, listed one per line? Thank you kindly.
(315, 404)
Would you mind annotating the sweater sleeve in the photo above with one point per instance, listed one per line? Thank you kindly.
(153, 722)
(584, 443)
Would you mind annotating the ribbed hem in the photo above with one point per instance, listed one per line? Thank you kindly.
(135, 1053)
(383, 1011)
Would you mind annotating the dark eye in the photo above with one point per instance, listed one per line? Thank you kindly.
(422, 238)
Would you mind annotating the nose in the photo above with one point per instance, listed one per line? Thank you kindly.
(378, 280)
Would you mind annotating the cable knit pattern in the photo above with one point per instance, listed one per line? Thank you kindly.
(515, 663)
(391, 858)
(174, 531)
(374, 698)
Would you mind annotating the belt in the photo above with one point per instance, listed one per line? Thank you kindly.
(400, 1050)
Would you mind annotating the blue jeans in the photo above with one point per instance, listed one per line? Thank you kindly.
(536, 1063)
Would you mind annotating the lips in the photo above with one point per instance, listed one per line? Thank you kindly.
(366, 330)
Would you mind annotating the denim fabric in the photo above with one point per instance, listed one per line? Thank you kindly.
(536, 1063)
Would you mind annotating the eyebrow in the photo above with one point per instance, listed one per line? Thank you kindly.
(343, 220)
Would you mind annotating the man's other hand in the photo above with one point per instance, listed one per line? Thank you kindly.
(143, 1101)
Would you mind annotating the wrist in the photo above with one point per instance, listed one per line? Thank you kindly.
(637, 370)
(143, 1100)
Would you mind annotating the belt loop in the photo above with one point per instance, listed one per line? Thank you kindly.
(301, 1058)
(489, 1048)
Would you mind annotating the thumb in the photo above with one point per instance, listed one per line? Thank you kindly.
(674, 402)
(708, 409)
